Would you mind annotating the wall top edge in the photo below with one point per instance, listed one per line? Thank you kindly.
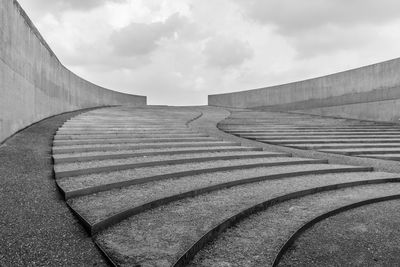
(33, 28)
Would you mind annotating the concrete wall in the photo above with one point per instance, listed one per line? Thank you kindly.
(33, 83)
(359, 93)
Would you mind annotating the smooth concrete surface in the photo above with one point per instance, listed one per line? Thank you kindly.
(388, 110)
(371, 92)
(33, 83)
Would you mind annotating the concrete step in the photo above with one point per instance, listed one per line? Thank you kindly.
(125, 136)
(146, 131)
(327, 141)
(346, 146)
(127, 128)
(132, 141)
(305, 138)
(202, 155)
(115, 147)
(184, 222)
(370, 223)
(317, 130)
(363, 151)
(93, 183)
(281, 220)
(393, 156)
(109, 155)
(312, 134)
(75, 169)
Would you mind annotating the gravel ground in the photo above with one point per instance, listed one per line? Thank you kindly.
(84, 181)
(158, 236)
(161, 158)
(36, 228)
(97, 207)
(366, 236)
(257, 240)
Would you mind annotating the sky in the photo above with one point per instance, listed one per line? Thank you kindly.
(179, 51)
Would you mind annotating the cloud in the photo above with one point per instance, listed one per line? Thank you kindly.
(140, 38)
(332, 39)
(290, 16)
(315, 27)
(225, 52)
(60, 6)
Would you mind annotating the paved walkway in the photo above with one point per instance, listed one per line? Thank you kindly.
(36, 227)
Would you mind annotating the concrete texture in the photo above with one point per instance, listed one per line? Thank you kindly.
(36, 227)
(33, 83)
(387, 110)
(370, 92)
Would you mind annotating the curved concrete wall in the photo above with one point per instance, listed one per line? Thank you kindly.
(33, 83)
(343, 94)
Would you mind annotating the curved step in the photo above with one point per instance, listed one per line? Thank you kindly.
(91, 148)
(312, 134)
(65, 158)
(122, 136)
(133, 141)
(99, 187)
(371, 137)
(116, 211)
(328, 141)
(395, 157)
(182, 222)
(289, 242)
(279, 220)
(318, 130)
(152, 131)
(59, 172)
(329, 135)
(347, 146)
(66, 129)
(362, 151)
(365, 236)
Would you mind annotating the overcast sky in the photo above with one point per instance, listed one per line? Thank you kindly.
(178, 51)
